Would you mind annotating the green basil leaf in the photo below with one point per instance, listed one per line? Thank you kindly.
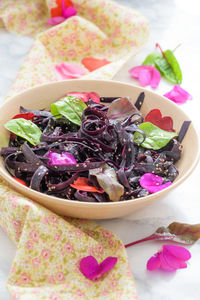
(169, 67)
(156, 138)
(70, 107)
(26, 129)
(150, 59)
(107, 179)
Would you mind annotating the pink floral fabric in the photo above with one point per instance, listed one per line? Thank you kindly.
(49, 247)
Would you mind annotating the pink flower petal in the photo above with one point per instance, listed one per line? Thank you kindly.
(178, 95)
(68, 71)
(177, 251)
(147, 75)
(144, 77)
(153, 183)
(69, 12)
(154, 262)
(155, 78)
(86, 96)
(55, 20)
(173, 261)
(90, 268)
(61, 159)
(164, 264)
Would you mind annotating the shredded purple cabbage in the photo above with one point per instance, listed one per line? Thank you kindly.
(68, 151)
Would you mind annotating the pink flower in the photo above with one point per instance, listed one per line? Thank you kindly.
(71, 53)
(34, 235)
(107, 234)
(69, 248)
(60, 276)
(54, 218)
(25, 278)
(16, 223)
(90, 268)
(147, 75)
(68, 71)
(178, 95)
(54, 297)
(29, 245)
(57, 236)
(45, 253)
(36, 262)
(61, 159)
(170, 258)
(52, 280)
(153, 183)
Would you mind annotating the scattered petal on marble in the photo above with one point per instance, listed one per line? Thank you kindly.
(147, 75)
(65, 71)
(90, 268)
(178, 95)
(170, 258)
(153, 183)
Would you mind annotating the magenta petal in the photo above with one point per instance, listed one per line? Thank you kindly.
(164, 264)
(134, 72)
(55, 20)
(154, 262)
(177, 251)
(69, 12)
(178, 95)
(155, 78)
(89, 267)
(61, 159)
(144, 77)
(106, 265)
(153, 183)
(173, 261)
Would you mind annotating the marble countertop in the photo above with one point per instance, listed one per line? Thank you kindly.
(172, 22)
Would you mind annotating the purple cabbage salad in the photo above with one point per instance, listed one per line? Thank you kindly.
(82, 149)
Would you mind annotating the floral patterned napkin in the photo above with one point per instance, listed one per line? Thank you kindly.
(49, 248)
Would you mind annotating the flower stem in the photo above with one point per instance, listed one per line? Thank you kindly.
(148, 238)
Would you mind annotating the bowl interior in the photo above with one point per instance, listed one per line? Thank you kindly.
(42, 96)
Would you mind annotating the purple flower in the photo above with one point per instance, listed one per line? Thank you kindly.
(178, 95)
(153, 183)
(90, 268)
(147, 75)
(61, 159)
(170, 258)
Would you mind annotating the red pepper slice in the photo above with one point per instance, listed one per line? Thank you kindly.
(155, 117)
(27, 116)
(82, 184)
(20, 181)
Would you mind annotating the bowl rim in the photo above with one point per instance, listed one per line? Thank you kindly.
(7, 177)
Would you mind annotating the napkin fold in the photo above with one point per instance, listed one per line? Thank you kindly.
(49, 247)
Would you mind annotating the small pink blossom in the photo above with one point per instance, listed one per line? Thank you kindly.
(79, 293)
(54, 218)
(69, 248)
(92, 270)
(71, 53)
(60, 276)
(36, 262)
(147, 75)
(29, 245)
(54, 297)
(34, 235)
(170, 258)
(178, 95)
(16, 296)
(153, 183)
(57, 236)
(25, 278)
(51, 279)
(68, 71)
(45, 253)
(107, 234)
(16, 223)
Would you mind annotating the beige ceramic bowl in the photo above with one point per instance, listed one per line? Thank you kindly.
(42, 96)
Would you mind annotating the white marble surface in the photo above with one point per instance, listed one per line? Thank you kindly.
(172, 22)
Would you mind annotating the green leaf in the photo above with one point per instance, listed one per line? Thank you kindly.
(169, 67)
(107, 179)
(70, 107)
(26, 129)
(156, 138)
(150, 59)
